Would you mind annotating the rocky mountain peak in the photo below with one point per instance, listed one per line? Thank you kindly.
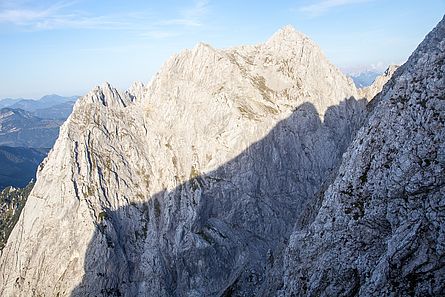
(199, 182)
(136, 90)
(287, 34)
(260, 81)
(133, 177)
(106, 95)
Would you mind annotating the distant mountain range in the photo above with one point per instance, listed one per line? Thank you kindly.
(48, 107)
(365, 78)
(28, 130)
(20, 128)
(24, 142)
(33, 123)
(19, 165)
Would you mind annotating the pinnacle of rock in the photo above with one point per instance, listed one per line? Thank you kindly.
(287, 34)
(136, 90)
(391, 69)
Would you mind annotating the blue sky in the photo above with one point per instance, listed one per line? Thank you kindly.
(68, 47)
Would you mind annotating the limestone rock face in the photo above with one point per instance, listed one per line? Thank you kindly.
(380, 230)
(189, 185)
(223, 176)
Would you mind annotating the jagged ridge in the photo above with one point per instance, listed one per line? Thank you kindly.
(139, 195)
(189, 185)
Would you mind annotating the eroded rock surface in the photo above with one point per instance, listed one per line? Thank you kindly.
(380, 229)
(190, 185)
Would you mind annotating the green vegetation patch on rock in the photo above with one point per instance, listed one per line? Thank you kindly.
(12, 201)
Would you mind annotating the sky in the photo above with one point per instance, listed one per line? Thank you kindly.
(68, 47)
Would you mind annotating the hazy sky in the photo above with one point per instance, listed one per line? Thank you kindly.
(67, 47)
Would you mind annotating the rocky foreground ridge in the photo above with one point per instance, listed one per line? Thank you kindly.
(192, 184)
(380, 228)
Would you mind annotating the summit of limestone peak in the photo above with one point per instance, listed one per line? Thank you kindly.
(290, 36)
(391, 69)
(280, 73)
(203, 45)
(201, 113)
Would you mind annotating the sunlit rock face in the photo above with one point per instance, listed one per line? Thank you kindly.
(379, 230)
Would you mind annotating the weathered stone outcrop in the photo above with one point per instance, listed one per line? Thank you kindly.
(222, 177)
(381, 226)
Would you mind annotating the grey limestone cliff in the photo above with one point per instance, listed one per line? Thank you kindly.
(380, 230)
(188, 186)
(222, 177)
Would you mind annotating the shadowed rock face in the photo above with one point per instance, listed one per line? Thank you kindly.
(380, 229)
(222, 177)
(218, 233)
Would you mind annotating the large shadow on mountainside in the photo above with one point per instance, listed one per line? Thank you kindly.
(218, 233)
